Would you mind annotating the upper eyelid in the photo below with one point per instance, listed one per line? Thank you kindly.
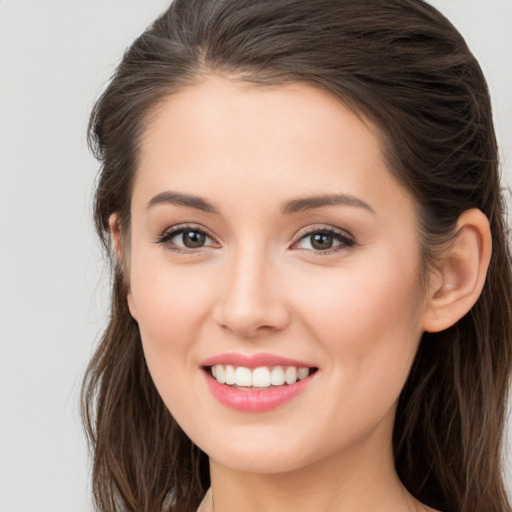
(184, 227)
(325, 228)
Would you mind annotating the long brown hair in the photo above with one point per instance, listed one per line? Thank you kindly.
(404, 66)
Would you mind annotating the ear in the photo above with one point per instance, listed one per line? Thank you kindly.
(455, 288)
(115, 235)
(120, 255)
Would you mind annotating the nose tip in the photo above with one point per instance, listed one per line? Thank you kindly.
(251, 322)
(251, 303)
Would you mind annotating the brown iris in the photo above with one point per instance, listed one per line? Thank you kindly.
(193, 239)
(321, 241)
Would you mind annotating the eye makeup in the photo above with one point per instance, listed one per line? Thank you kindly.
(189, 238)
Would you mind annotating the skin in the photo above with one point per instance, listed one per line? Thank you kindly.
(356, 313)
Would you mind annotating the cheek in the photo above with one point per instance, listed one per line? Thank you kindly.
(369, 323)
(170, 309)
(362, 300)
(170, 305)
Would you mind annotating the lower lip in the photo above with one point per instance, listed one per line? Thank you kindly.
(255, 400)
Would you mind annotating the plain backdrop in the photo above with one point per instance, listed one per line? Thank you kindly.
(55, 58)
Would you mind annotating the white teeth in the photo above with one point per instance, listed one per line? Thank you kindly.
(220, 374)
(302, 373)
(290, 376)
(277, 376)
(261, 377)
(243, 377)
(230, 375)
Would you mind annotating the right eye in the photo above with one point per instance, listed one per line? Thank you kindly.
(185, 239)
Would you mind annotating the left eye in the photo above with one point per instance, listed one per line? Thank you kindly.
(186, 238)
(192, 239)
(324, 240)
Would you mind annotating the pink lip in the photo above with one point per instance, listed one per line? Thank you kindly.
(254, 360)
(254, 400)
(250, 400)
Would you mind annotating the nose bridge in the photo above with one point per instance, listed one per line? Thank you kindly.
(251, 303)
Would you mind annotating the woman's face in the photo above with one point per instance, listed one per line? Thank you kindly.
(268, 238)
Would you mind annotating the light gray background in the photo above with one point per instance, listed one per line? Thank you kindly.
(55, 58)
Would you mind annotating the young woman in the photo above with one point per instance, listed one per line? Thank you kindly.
(311, 302)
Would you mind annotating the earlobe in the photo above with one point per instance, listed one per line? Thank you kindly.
(131, 305)
(461, 273)
(119, 253)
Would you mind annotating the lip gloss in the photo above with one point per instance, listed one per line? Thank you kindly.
(254, 399)
(251, 400)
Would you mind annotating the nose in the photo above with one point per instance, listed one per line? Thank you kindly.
(252, 302)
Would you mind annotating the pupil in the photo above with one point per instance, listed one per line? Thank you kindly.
(321, 241)
(193, 239)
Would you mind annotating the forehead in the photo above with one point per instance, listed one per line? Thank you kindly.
(221, 111)
(293, 139)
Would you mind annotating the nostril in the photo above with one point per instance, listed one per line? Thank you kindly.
(251, 310)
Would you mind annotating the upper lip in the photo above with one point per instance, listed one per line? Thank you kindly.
(254, 360)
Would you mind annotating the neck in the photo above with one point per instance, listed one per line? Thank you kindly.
(357, 480)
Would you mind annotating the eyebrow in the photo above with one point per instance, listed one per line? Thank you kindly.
(180, 199)
(289, 208)
(313, 202)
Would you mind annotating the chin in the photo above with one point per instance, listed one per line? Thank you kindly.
(265, 454)
(260, 463)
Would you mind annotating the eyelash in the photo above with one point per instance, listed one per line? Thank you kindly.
(345, 240)
(167, 236)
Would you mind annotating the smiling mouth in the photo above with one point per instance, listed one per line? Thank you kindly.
(263, 377)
